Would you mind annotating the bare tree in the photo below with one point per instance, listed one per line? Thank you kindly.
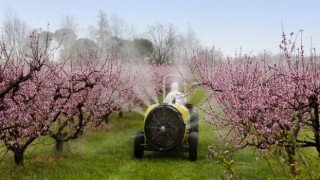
(118, 27)
(186, 45)
(163, 38)
(67, 33)
(15, 33)
(70, 23)
(67, 38)
(102, 33)
(132, 32)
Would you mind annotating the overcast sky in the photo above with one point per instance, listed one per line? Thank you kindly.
(254, 25)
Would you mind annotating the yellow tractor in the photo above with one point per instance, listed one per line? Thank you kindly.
(169, 126)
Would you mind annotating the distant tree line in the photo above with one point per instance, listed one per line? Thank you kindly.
(160, 44)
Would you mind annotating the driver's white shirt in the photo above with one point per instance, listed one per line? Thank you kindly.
(179, 97)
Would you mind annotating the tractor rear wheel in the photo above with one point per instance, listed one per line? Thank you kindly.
(194, 120)
(193, 146)
(138, 142)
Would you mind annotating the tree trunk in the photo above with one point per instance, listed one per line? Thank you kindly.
(120, 114)
(313, 100)
(18, 157)
(59, 145)
(106, 118)
(316, 127)
(291, 151)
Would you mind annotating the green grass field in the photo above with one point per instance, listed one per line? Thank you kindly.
(108, 154)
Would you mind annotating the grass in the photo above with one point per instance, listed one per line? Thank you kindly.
(108, 154)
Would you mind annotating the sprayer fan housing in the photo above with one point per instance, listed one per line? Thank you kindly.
(164, 127)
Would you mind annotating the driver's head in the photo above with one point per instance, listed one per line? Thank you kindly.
(174, 86)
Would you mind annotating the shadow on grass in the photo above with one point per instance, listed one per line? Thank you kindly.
(172, 155)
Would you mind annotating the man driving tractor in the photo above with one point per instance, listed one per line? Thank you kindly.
(175, 96)
(169, 126)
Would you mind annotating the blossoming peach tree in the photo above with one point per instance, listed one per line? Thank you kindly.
(261, 103)
(40, 97)
(89, 92)
(26, 112)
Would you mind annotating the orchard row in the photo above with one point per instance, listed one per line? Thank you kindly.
(268, 104)
(42, 97)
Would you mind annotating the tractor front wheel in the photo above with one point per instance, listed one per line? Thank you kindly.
(138, 142)
(193, 146)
